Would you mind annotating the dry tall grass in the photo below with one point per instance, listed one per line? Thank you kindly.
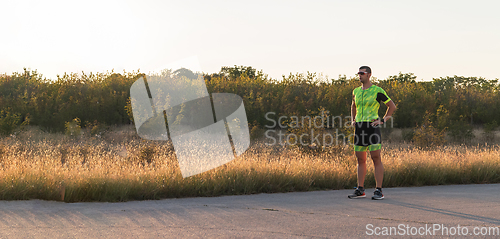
(115, 167)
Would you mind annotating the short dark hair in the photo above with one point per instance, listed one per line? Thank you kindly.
(367, 68)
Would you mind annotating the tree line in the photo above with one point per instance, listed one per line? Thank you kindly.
(104, 98)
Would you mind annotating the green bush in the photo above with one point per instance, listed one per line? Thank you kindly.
(489, 130)
(96, 129)
(460, 131)
(428, 136)
(9, 122)
(255, 131)
(442, 118)
(73, 128)
(408, 134)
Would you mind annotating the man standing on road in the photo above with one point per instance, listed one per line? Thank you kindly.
(364, 112)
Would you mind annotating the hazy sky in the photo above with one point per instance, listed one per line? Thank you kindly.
(429, 38)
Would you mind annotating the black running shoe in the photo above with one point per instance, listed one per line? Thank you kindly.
(377, 195)
(358, 193)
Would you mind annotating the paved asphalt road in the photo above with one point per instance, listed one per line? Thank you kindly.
(323, 214)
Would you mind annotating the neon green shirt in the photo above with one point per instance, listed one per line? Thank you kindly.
(368, 102)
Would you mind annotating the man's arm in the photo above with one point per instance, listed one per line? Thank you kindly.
(353, 110)
(391, 107)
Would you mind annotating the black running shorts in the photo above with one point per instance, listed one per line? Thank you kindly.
(365, 134)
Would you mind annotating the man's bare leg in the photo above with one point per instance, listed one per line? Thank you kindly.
(379, 167)
(361, 156)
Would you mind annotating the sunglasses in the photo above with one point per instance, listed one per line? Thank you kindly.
(362, 73)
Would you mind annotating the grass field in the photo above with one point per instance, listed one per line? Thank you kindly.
(119, 166)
